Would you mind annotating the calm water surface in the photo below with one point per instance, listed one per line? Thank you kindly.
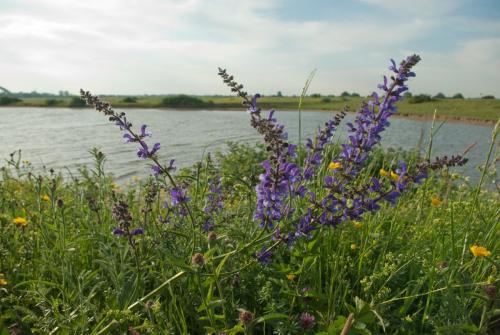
(61, 138)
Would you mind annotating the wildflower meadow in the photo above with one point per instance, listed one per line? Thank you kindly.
(321, 237)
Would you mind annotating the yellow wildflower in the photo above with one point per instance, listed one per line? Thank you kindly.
(335, 165)
(291, 276)
(45, 197)
(478, 251)
(3, 282)
(436, 201)
(354, 246)
(116, 187)
(383, 173)
(357, 224)
(394, 176)
(19, 221)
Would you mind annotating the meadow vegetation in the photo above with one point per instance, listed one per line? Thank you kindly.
(321, 238)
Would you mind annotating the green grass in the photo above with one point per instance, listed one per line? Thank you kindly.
(406, 270)
(460, 109)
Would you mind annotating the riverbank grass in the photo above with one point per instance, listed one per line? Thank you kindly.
(429, 264)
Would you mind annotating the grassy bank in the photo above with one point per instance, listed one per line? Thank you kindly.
(409, 269)
(460, 109)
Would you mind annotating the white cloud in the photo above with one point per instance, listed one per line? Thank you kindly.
(149, 46)
(473, 69)
(418, 7)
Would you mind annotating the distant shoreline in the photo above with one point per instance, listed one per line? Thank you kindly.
(473, 111)
(411, 116)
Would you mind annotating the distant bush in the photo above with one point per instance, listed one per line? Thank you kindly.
(315, 95)
(8, 101)
(52, 102)
(407, 95)
(439, 96)
(458, 96)
(182, 101)
(417, 99)
(130, 100)
(77, 102)
(326, 100)
(346, 94)
(488, 97)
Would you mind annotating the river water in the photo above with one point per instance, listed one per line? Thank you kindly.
(61, 138)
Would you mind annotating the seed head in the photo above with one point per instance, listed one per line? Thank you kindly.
(198, 259)
(246, 317)
(212, 236)
(490, 290)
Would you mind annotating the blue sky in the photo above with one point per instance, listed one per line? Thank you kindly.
(174, 46)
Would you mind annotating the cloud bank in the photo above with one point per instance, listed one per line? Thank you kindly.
(169, 46)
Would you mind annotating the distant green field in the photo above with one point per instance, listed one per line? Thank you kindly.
(471, 109)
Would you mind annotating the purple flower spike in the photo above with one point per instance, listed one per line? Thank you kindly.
(118, 231)
(171, 165)
(393, 66)
(128, 138)
(137, 231)
(264, 256)
(156, 170)
(143, 131)
(143, 151)
(178, 196)
(156, 147)
(253, 108)
(345, 196)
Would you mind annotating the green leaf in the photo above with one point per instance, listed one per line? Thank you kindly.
(271, 317)
(221, 265)
(336, 327)
(179, 263)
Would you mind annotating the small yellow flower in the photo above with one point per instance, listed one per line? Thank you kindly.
(394, 176)
(291, 277)
(436, 201)
(383, 173)
(45, 197)
(357, 224)
(3, 282)
(354, 246)
(335, 165)
(116, 187)
(19, 221)
(478, 251)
